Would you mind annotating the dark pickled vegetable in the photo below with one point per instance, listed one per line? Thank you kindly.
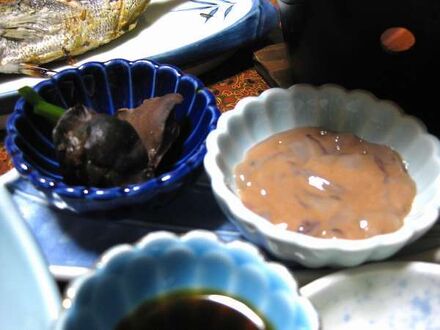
(155, 124)
(101, 150)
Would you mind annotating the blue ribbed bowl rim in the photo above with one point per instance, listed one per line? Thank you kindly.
(165, 182)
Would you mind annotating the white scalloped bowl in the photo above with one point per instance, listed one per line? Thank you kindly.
(334, 108)
(163, 263)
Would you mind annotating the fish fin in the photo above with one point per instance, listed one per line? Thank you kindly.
(34, 71)
(31, 24)
(20, 34)
(73, 3)
(17, 30)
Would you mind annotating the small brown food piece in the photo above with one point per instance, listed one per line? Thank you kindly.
(101, 150)
(154, 124)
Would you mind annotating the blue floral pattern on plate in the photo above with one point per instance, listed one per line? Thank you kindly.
(392, 296)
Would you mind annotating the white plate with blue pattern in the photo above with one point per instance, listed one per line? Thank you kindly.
(390, 295)
(29, 296)
(186, 33)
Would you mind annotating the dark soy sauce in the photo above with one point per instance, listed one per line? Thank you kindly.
(189, 311)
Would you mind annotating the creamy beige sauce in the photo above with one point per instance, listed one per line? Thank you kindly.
(326, 184)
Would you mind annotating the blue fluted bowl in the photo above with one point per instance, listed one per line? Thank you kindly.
(163, 263)
(106, 87)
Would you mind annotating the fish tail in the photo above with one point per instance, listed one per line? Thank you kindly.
(35, 71)
(27, 69)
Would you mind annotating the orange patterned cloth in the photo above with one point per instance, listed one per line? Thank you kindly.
(5, 162)
(227, 92)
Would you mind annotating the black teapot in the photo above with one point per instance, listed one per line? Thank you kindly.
(389, 47)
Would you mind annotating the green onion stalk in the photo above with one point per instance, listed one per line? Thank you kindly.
(43, 108)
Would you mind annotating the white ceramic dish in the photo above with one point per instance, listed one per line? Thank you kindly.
(29, 297)
(333, 108)
(163, 263)
(392, 295)
(177, 32)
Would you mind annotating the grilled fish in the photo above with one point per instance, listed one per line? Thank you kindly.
(33, 32)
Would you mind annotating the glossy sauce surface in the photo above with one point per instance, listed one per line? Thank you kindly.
(193, 311)
(326, 184)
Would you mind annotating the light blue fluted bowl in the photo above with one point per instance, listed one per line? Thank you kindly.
(163, 263)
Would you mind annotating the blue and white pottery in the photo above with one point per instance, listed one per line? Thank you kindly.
(105, 87)
(29, 297)
(391, 295)
(192, 34)
(334, 108)
(163, 262)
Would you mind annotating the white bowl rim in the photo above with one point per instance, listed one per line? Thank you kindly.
(237, 208)
(314, 288)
